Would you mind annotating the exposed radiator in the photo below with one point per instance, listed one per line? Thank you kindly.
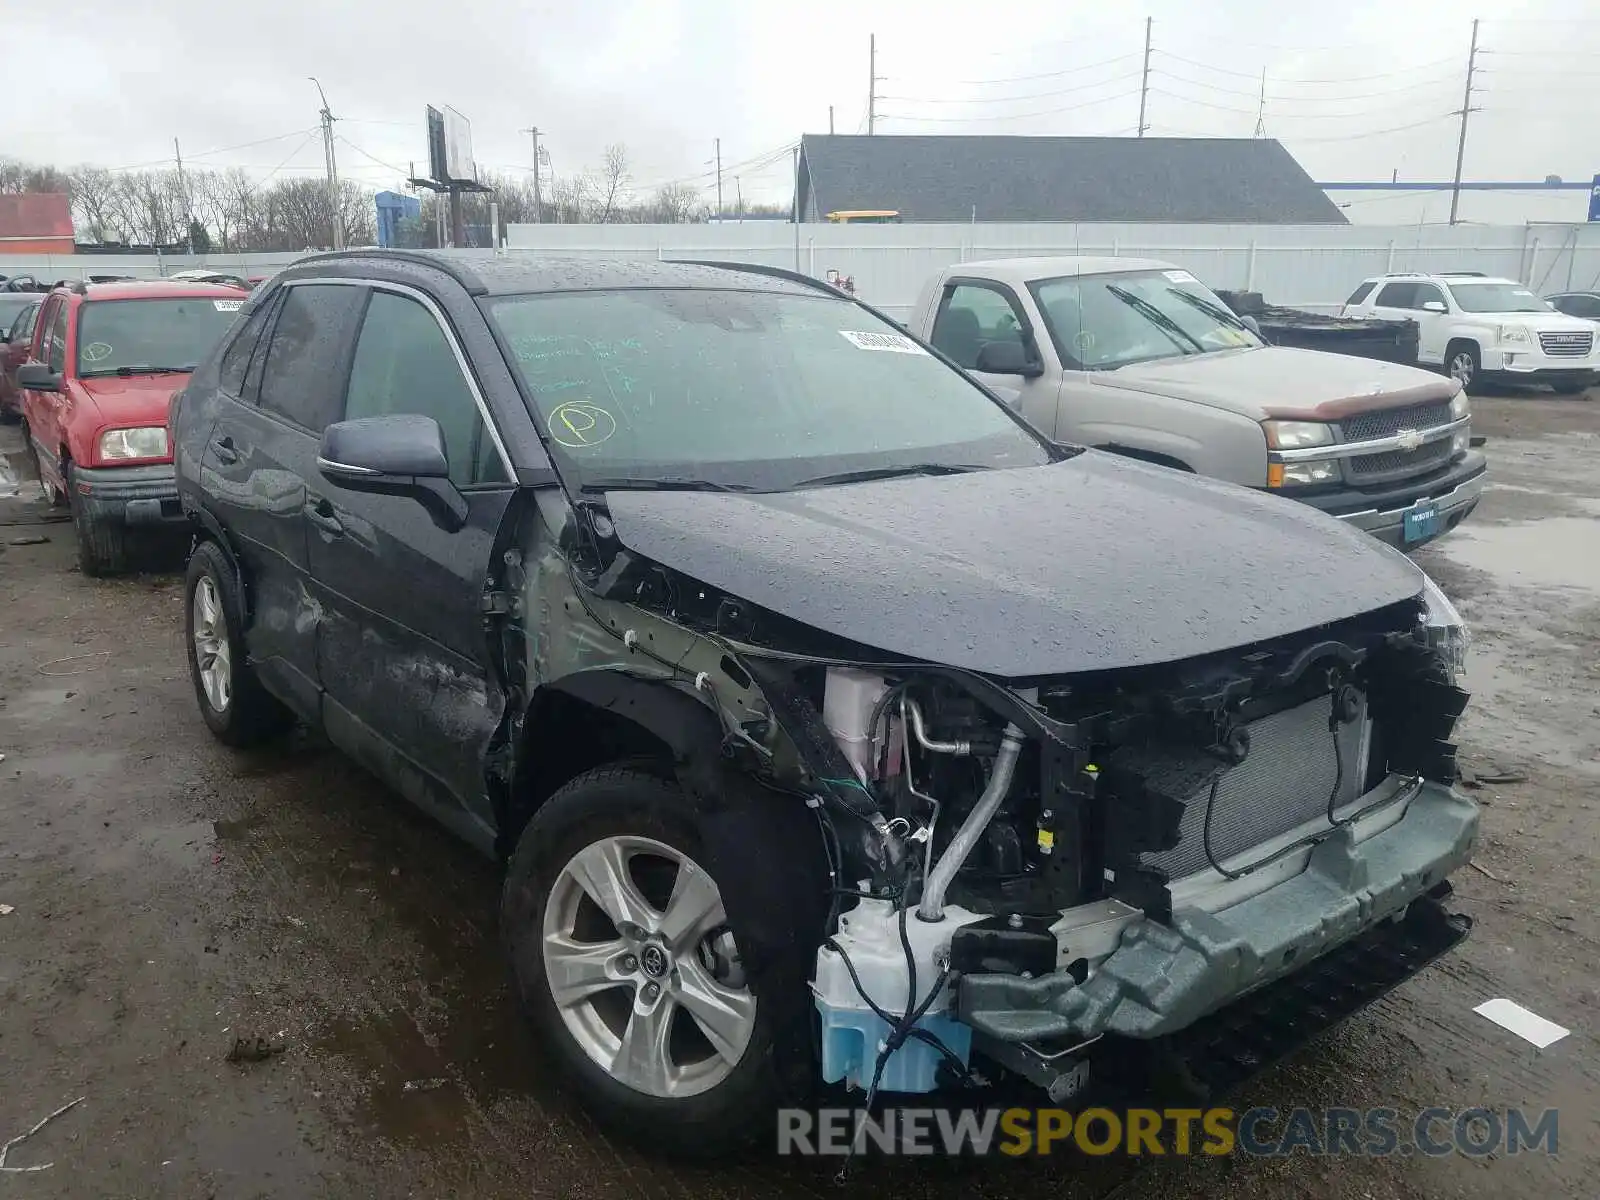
(1284, 782)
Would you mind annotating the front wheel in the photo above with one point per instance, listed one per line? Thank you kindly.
(105, 547)
(623, 958)
(1461, 363)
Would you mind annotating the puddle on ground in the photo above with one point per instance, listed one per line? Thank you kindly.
(1555, 552)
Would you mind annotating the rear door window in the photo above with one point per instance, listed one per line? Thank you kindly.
(1401, 294)
(236, 357)
(302, 369)
(56, 338)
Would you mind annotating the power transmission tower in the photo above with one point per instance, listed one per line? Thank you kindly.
(538, 202)
(1144, 86)
(1466, 108)
(335, 218)
(1261, 107)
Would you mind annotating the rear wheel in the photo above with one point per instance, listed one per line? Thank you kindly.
(52, 497)
(1575, 387)
(1461, 363)
(234, 705)
(623, 959)
(105, 547)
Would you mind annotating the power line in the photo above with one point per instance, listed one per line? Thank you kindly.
(1011, 116)
(1282, 98)
(373, 157)
(1105, 62)
(157, 162)
(306, 141)
(1009, 99)
(1372, 133)
(1407, 71)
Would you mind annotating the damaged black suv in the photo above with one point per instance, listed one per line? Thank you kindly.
(834, 726)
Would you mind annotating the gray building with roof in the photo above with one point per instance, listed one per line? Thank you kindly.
(1222, 180)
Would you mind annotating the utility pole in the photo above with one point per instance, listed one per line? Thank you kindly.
(795, 208)
(1144, 86)
(1261, 107)
(335, 218)
(188, 216)
(872, 81)
(718, 142)
(538, 202)
(1466, 108)
(830, 120)
(738, 199)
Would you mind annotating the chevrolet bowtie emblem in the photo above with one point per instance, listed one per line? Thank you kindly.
(1410, 439)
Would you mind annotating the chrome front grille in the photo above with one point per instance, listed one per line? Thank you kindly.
(1566, 345)
(1409, 462)
(1284, 781)
(1386, 422)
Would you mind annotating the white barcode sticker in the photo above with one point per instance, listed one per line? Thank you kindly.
(895, 343)
(1180, 277)
(228, 305)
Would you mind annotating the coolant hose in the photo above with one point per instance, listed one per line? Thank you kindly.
(955, 854)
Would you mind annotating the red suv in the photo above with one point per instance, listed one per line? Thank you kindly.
(103, 365)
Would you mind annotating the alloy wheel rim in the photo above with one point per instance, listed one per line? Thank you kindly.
(1461, 368)
(212, 657)
(643, 969)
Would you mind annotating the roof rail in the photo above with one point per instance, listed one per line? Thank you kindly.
(1467, 274)
(761, 269)
(421, 257)
(79, 287)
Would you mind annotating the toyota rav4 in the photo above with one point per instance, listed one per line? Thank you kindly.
(833, 725)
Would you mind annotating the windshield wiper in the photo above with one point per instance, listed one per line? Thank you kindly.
(1156, 317)
(624, 484)
(1219, 315)
(126, 372)
(869, 473)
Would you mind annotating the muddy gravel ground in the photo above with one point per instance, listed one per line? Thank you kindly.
(167, 896)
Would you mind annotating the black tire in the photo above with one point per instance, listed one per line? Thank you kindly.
(1461, 362)
(621, 801)
(53, 498)
(250, 714)
(104, 547)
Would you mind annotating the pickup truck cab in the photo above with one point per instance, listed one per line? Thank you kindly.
(100, 373)
(1138, 357)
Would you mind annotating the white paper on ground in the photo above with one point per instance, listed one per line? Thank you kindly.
(1508, 1014)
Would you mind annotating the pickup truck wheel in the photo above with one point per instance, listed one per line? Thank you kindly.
(104, 547)
(1461, 362)
(234, 705)
(622, 958)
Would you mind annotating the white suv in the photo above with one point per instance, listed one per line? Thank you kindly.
(1471, 326)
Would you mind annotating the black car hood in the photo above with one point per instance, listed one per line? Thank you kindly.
(1089, 564)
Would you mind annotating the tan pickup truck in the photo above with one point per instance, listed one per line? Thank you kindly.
(1139, 357)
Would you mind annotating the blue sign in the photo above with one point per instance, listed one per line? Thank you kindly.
(1594, 200)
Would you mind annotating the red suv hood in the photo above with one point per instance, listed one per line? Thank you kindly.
(134, 399)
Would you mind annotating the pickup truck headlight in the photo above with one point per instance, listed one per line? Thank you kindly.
(1460, 406)
(1293, 474)
(1445, 631)
(1515, 335)
(145, 442)
(1297, 435)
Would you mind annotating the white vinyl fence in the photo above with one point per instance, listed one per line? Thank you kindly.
(1308, 266)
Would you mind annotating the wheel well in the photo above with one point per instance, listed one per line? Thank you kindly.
(563, 737)
(1472, 343)
(1149, 456)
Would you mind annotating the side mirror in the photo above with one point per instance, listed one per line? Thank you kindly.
(1434, 306)
(395, 455)
(36, 377)
(1008, 358)
(1253, 325)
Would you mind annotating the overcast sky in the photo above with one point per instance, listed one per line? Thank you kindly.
(1356, 89)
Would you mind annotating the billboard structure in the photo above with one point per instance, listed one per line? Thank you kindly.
(451, 169)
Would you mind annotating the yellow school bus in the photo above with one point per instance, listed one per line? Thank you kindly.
(865, 216)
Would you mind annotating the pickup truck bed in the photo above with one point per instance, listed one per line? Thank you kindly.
(1388, 341)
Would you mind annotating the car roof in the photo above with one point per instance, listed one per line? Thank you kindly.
(491, 274)
(1559, 295)
(1443, 276)
(1019, 270)
(156, 289)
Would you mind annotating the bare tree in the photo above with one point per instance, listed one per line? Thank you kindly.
(612, 179)
(94, 206)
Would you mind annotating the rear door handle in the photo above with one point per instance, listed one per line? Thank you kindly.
(226, 451)
(320, 512)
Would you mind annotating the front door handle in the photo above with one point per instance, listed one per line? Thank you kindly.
(226, 452)
(320, 512)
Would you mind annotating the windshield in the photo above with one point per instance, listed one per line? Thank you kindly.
(150, 335)
(1496, 298)
(745, 389)
(1099, 322)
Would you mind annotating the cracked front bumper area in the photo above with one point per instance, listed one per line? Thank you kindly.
(1163, 978)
